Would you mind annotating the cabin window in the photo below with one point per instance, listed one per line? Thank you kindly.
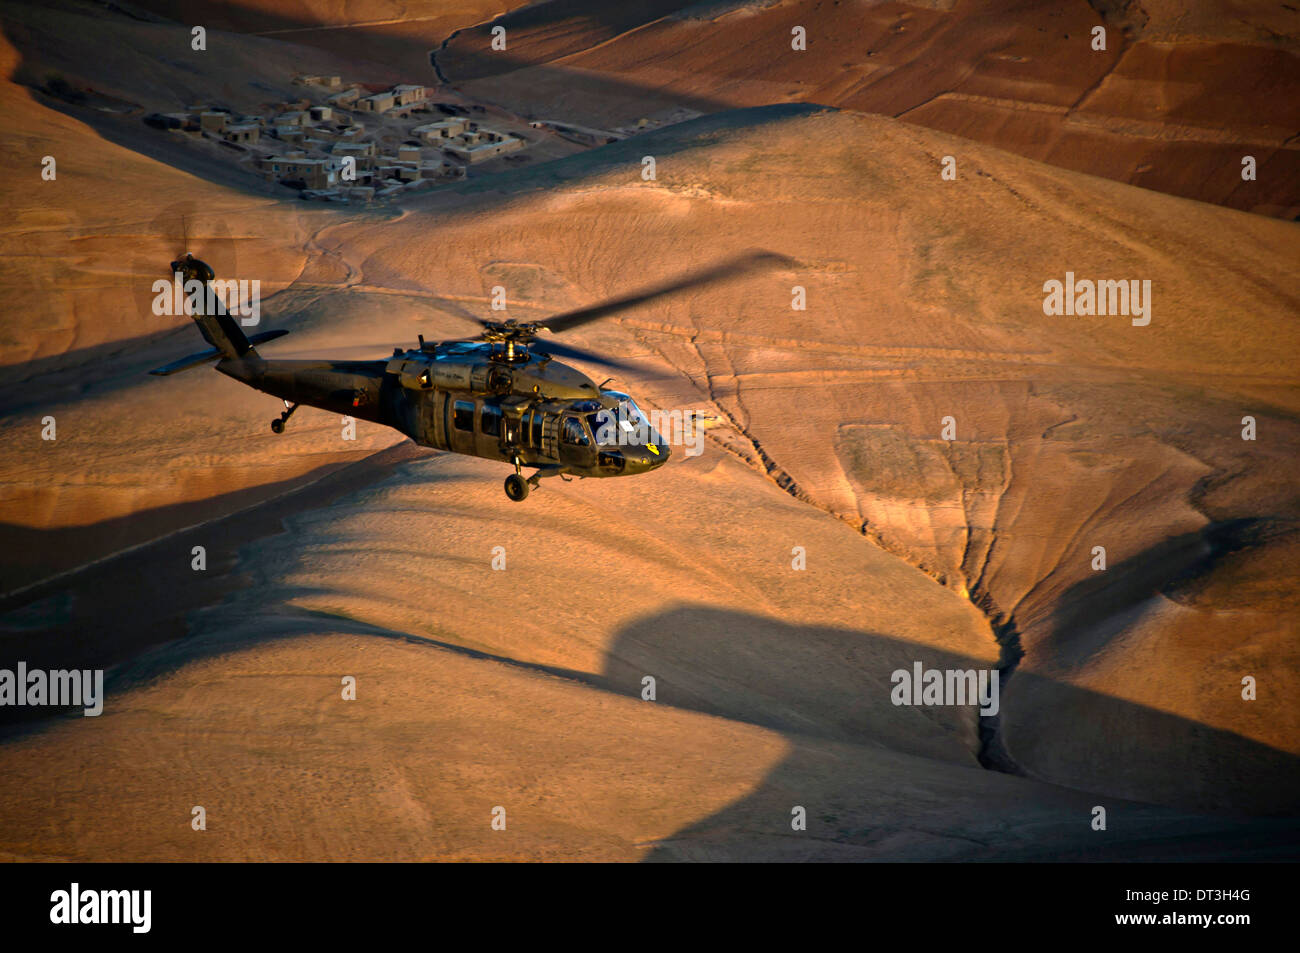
(489, 420)
(573, 432)
(462, 416)
(537, 428)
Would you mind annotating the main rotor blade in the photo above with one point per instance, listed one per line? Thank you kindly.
(742, 264)
(556, 349)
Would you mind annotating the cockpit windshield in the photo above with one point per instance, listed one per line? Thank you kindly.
(622, 425)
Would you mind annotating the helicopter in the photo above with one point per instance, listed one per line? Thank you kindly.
(501, 395)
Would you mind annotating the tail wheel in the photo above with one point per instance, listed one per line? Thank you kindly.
(277, 425)
(516, 487)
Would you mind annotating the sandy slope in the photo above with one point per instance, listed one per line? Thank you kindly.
(930, 305)
(467, 701)
(79, 260)
(521, 688)
(78, 256)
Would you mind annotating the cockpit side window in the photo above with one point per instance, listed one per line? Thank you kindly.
(573, 432)
(604, 426)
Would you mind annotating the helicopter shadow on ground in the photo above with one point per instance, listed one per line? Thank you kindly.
(817, 685)
(878, 781)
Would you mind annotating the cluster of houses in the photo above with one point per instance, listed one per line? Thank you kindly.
(467, 140)
(355, 144)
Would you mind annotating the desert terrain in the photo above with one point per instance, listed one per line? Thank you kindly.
(479, 688)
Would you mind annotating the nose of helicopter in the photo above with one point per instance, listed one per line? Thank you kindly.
(648, 457)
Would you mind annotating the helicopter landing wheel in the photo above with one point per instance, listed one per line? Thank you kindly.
(516, 487)
(277, 425)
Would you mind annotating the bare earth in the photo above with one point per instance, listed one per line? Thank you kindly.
(522, 689)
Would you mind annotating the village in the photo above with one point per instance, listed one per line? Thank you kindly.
(347, 142)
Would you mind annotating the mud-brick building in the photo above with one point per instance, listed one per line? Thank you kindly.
(245, 132)
(346, 98)
(443, 129)
(297, 168)
(362, 152)
(409, 95)
(378, 102)
(481, 144)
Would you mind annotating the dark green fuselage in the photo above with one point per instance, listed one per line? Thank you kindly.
(465, 398)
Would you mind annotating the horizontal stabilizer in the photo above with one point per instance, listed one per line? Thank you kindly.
(264, 336)
(211, 354)
(185, 363)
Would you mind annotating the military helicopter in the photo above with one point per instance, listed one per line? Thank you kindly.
(501, 395)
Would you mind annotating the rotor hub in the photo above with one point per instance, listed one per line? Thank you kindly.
(510, 330)
(514, 336)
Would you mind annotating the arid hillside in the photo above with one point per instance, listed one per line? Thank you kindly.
(398, 33)
(947, 456)
(1178, 96)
